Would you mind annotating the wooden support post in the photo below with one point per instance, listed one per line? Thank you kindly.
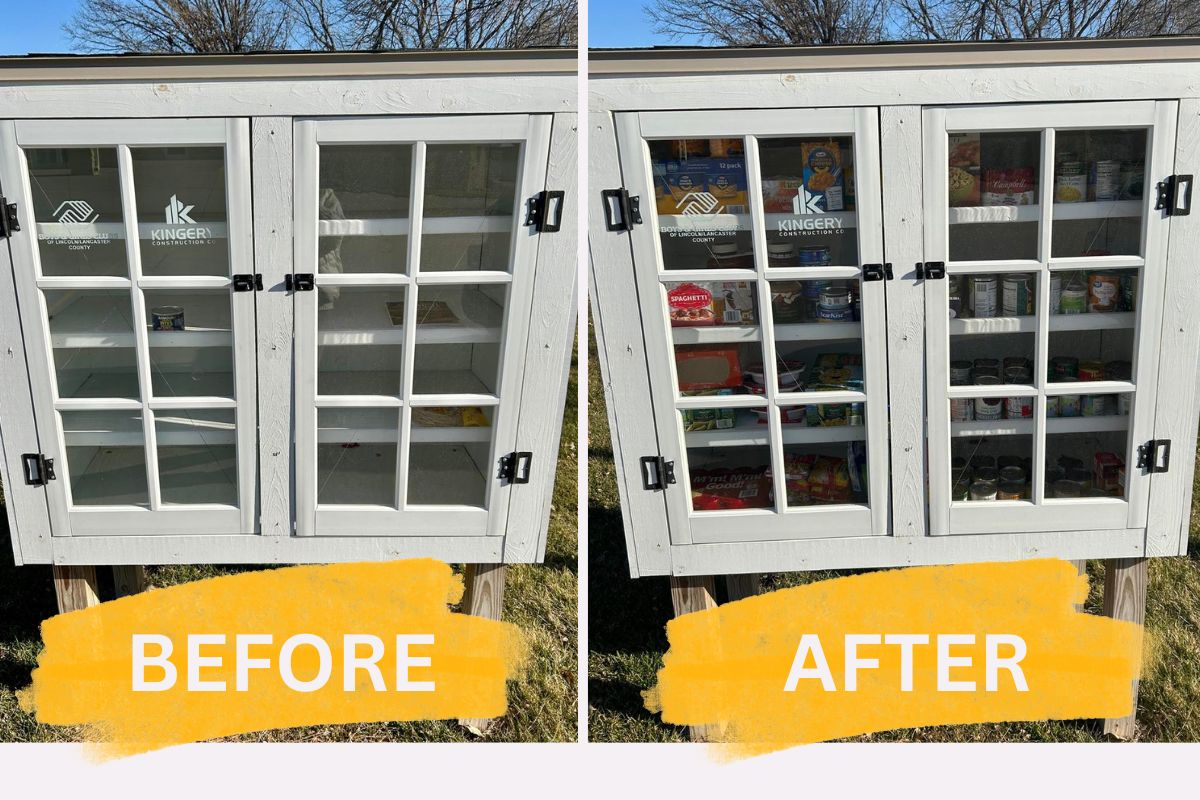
(1125, 581)
(128, 579)
(484, 597)
(76, 588)
(690, 594)
(1081, 568)
(744, 585)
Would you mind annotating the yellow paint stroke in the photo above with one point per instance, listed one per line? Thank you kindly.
(84, 673)
(727, 666)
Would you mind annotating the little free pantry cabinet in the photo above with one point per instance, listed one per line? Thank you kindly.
(284, 308)
(895, 305)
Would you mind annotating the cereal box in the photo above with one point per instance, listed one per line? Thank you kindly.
(823, 179)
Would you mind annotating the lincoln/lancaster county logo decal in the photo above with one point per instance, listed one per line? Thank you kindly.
(76, 229)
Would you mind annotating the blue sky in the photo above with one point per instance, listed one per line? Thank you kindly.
(36, 27)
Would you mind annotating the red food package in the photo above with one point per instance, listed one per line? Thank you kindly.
(690, 304)
(742, 487)
(1107, 473)
(703, 368)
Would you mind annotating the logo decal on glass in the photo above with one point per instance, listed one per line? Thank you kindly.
(177, 215)
(808, 204)
(177, 212)
(75, 211)
(700, 203)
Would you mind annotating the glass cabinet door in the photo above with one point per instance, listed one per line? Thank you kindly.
(765, 331)
(408, 349)
(135, 231)
(1041, 335)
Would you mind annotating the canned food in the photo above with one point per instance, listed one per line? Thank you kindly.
(1073, 301)
(834, 297)
(1010, 490)
(1093, 405)
(1070, 462)
(167, 318)
(962, 409)
(1071, 180)
(1129, 288)
(781, 254)
(1064, 367)
(815, 256)
(1068, 405)
(960, 490)
(1091, 371)
(1018, 407)
(988, 408)
(983, 295)
(1018, 375)
(835, 313)
(1052, 406)
(1055, 292)
(1015, 361)
(1017, 295)
(1104, 291)
(986, 363)
(1105, 183)
(960, 372)
(1124, 404)
(1012, 474)
(983, 490)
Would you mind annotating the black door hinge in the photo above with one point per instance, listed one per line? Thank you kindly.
(544, 207)
(9, 224)
(621, 212)
(300, 282)
(1154, 455)
(248, 283)
(877, 272)
(657, 473)
(38, 469)
(1175, 196)
(515, 467)
(931, 270)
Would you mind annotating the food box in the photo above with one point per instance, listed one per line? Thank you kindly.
(779, 195)
(738, 487)
(716, 303)
(726, 181)
(1108, 473)
(823, 177)
(964, 169)
(703, 368)
(708, 419)
(679, 180)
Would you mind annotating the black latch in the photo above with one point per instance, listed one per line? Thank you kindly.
(657, 472)
(9, 224)
(931, 270)
(248, 283)
(544, 207)
(1155, 455)
(621, 212)
(1175, 196)
(877, 272)
(300, 282)
(38, 469)
(514, 467)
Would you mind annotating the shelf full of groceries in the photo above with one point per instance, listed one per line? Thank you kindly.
(983, 296)
(1008, 477)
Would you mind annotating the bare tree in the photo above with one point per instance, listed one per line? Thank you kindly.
(180, 26)
(750, 22)
(434, 24)
(966, 20)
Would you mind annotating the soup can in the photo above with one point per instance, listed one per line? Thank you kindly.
(1010, 490)
(962, 409)
(1072, 301)
(1105, 183)
(960, 372)
(1062, 367)
(835, 313)
(815, 256)
(167, 318)
(989, 408)
(1015, 361)
(960, 490)
(1068, 405)
(983, 490)
(1012, 473)
(834, 297)
(1018, 407)
(1104, 291)
(1091, 371)
(983, 295)
(1017, 295)
(1093, 405)
(1052, 406)
(1018, 374)
(1070, 182)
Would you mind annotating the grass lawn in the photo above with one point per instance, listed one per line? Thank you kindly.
(539, 598)
(627, 621)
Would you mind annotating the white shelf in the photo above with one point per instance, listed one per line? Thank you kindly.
(1024, 427)
(352, 475)
(1058, 322)
(400, 227)
(818, 331)
(362, 318)
(714, 334)
(93, 321)
(329, 435)
(1061, 211)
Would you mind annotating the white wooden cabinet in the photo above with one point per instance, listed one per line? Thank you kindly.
(863, 307)
(285, 309)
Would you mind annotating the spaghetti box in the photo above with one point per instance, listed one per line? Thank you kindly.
(703, 369)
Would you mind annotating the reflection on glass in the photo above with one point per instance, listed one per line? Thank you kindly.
(181, 210)
(449, 454)
(356, 456)
(106, 457)
(77, 209)
(991, 468)
(91, 331)
(809, 198)
(470, 203)
(994, 192)
(458, 338)
(197, 456)
(700, 190)
(363, 207)
(191, 343)
(360, 340)
(1099, 178)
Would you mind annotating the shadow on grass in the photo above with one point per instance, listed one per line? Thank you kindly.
(26, 598)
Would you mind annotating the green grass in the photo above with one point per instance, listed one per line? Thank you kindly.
(541, 599)
(627, 636)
